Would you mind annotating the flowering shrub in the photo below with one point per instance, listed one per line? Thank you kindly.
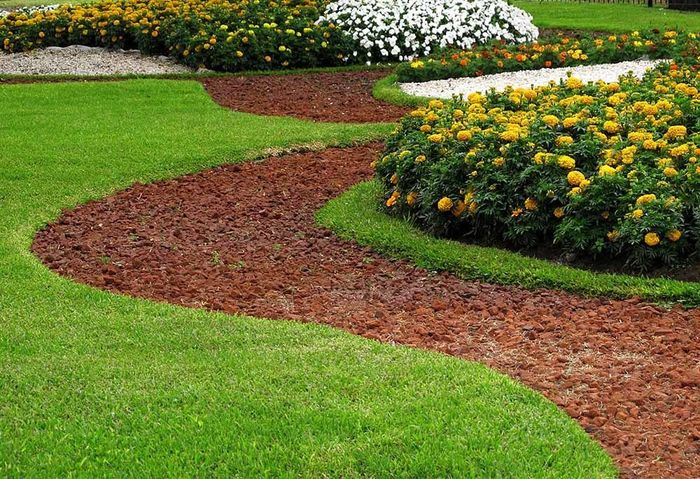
(553, 52)
(402, 29)
(218, 34)
(600, 169)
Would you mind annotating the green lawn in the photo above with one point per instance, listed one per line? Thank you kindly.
(605, 16)
(96, 384)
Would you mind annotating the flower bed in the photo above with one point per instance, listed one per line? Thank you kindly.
(683, 47)
(597, 169)
(218, 34)
(265, 34)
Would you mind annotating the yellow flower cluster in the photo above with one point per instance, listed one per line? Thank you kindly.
(602, 167)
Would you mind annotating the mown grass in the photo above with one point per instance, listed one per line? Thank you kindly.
(606, 17)
(94, 384)
(355, 216)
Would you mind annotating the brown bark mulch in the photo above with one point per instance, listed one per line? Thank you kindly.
(344, 97)
(242, 239)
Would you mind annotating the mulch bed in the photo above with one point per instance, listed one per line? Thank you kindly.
(339, 97)
(242, 239)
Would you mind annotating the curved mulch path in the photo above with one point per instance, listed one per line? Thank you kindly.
(337, 97)
(242, 239)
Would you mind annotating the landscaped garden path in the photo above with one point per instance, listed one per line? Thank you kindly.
(242, 239)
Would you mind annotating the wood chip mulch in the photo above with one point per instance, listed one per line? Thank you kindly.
(334, 97)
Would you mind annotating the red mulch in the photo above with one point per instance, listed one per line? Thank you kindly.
(338, 97)
(242, 239)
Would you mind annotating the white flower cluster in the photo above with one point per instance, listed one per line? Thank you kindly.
(405, 29)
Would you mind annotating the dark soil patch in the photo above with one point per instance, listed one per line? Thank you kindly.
(338, 97)
(242, 239)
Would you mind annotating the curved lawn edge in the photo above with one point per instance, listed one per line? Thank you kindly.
(90, 365)
(387, 89)
(355, 216)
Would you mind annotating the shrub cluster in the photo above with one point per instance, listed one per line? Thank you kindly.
(498, 57)
(403, 29)
(605, 169)
(219, 34)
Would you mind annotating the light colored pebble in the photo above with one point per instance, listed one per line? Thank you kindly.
(609, 72)
(83, 60)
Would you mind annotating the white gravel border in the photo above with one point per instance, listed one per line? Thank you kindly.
(609, 72)
(87, 61)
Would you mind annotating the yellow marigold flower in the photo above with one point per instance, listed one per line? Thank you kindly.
(531, 204)
(574, 191)
(674, 235)
(420, 158)
(612, 127)
(613, 235)
(566, 162)
(652, 239)
(509, 135)
(606, 170)
(394, 179)
(459, 208)
(570, 122)
(464, 135)
(675, 132)
(411, 198)
(436, 138)
(679, 150)
(573, 82)
(499, 161)
(476, 98)
(393, 199)
(564, 140)
(457, 114)
(550, 120)
(418, 113)
(575, 178)
(426, 128)
(670, 171)
(636, 136)
(645, 199)
(638, 213)
(445, 204)
(431, 116)
(559, 212)
(516, 212)
(473, 207)
(436, 105)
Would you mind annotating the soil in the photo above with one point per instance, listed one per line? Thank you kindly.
(242, 239)
(338, 97)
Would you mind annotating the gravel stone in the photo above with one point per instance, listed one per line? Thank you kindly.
(609, 72)
(84, 60)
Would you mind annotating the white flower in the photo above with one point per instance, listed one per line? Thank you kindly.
(412, 27)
